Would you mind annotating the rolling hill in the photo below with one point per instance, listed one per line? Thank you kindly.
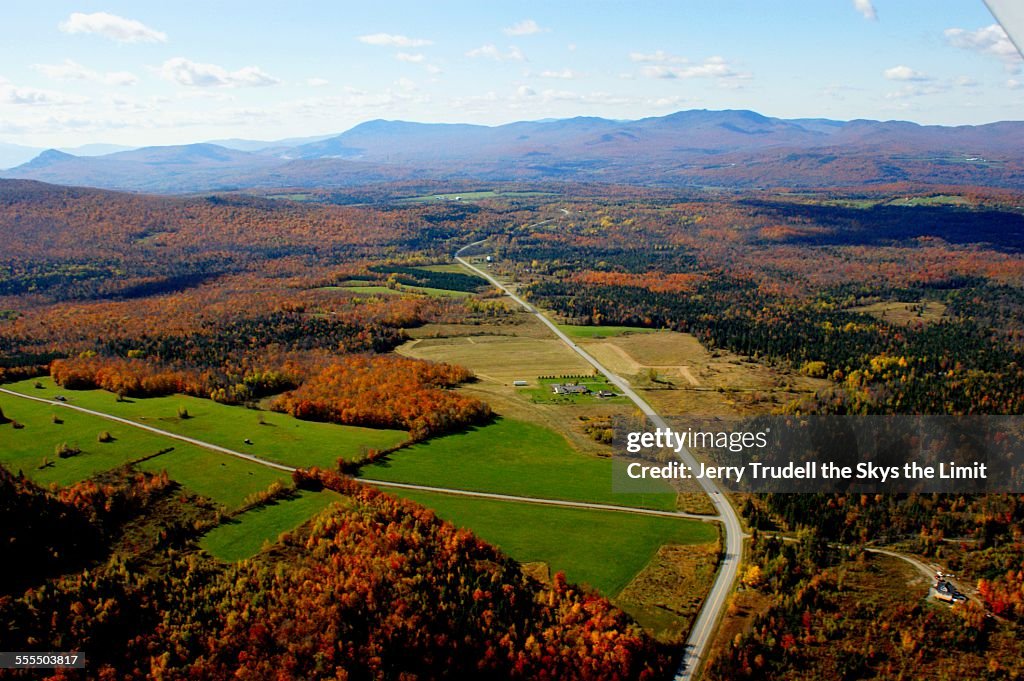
(687, 148)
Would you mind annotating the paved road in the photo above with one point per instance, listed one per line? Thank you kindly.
(704, 626)
(380, 483)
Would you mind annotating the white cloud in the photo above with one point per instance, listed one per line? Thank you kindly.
(659, 57)
(433, 69)
(525, 27)
(902, 72)
(661, 65)
(966, 81)
(866, 8)
(71, 70)
(32, 96)
(411, 58)
(317, 82)
(492, 52)
(564, 74)
(184, 72)
(353, 99)
(1014, 84)
(525, 98)
(991, 40)
(393, 40)
(112, 26)
(909, 91)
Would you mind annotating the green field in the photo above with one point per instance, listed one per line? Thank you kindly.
(437, 292)
(473, 196)
(279, 438)
(544, 393)
(296, 196)
(577, 331)
(511, 457)
(402, 289)
(604, 549)
(454, 268)
(225, 479)
(938, 200)
(244, 535)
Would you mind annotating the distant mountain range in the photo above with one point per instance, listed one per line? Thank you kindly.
(688, 148)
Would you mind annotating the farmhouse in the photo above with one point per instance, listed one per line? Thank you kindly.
(569, 389)
(943, 590)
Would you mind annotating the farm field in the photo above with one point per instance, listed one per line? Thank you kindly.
(225, 479)
(577, 331)
(544, 392)
(502, 359)
(511, 457)
(604, 549)
(905, 313)
(473, 196)
(276, 437)
(244, 535)
(400, 290)
(679, 376)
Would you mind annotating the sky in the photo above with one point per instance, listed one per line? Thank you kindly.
(136, 73)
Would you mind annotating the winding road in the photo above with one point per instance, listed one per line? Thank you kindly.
(704, 626)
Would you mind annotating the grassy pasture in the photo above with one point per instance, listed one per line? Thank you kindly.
(244, 535)
(276, 437)
(604, 549)
(225, 479)
(576, 331)
(511, 457)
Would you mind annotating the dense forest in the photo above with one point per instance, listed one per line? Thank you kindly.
(807, 284)
(375, 588)
(905, 302)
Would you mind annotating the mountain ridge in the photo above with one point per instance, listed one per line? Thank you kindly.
(732, 148)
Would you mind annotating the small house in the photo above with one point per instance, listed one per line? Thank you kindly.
(946, 592)
(520, 384)
(569, 389)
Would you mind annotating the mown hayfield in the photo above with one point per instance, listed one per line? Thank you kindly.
(511, 457)
(604, 549)
(245, 535)
(32, 450)
(576, 331)
(276, 437)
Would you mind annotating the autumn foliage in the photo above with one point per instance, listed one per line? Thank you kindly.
(375, 588)
(386, 392)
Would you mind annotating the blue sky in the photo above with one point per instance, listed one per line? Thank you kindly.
(147, 73)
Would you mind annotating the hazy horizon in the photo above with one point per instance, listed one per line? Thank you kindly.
(142, 75)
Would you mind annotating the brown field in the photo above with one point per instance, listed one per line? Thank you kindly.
(679, 376)
(666, 595)
(538, 570)
(524, 350)
(903, 313)
(501, 359)
(514, 326)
